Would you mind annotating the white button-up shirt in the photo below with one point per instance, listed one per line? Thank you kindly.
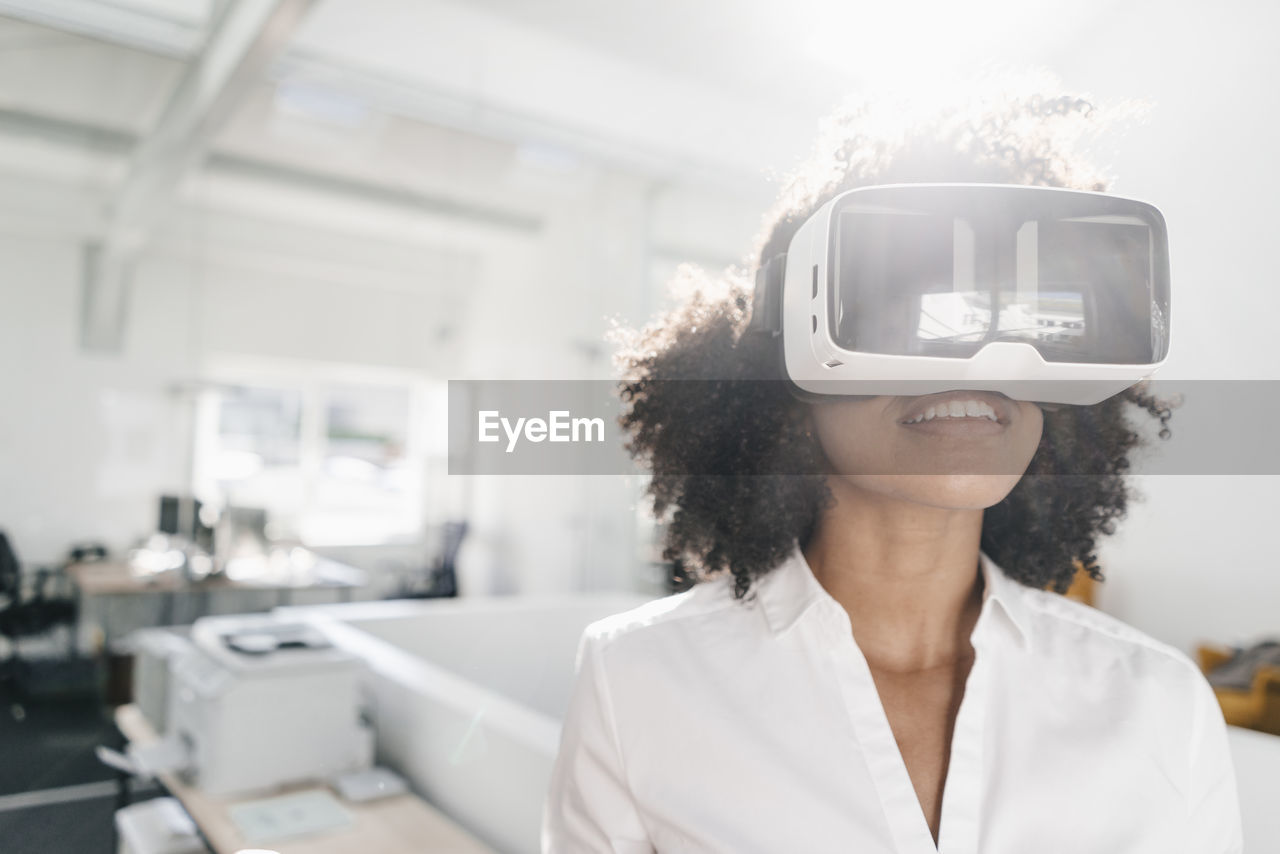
(700, 724)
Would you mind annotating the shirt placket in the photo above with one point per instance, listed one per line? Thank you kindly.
(906, 820)
(962, 794)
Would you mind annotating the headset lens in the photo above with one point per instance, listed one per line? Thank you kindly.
(943, 280)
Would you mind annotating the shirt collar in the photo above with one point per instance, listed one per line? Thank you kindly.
(791, 589)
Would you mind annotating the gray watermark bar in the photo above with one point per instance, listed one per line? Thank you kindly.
(737, 427)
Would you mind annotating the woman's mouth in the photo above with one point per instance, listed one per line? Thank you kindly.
(956, 408)
(959, 414)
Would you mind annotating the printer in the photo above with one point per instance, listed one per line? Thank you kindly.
(256, 702)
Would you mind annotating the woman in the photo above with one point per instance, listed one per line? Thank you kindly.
(872, 658)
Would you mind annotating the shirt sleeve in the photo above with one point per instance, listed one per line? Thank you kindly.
(589, 808)
(1213, 804)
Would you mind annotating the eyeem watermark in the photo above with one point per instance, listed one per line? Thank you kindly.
(564, 427)
(558, 426)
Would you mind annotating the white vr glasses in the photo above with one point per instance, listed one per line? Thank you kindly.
(1043, 294)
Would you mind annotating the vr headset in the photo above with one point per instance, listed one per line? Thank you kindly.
(1044, 294)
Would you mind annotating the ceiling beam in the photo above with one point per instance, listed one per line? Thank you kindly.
(243, 41)
(65, 132)
(90, 138)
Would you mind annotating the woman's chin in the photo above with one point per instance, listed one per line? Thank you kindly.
(947, 491)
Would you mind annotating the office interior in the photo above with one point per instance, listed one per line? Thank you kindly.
(245, 245)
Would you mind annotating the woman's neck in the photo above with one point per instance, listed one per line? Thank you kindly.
(906, 573)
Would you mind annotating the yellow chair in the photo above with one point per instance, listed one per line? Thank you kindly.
(1083, 588)
(1259, 707)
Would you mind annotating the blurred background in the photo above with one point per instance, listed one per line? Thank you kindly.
(244, 245)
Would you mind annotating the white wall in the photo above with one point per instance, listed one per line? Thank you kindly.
(1194, 561)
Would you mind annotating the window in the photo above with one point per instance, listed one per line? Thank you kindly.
(333, 461)
(364, 482)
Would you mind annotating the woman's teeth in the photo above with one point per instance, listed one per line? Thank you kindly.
(956, 409)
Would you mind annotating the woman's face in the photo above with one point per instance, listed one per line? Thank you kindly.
(955, 450)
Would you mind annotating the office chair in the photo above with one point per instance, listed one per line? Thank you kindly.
(442, 577)
(22, 616)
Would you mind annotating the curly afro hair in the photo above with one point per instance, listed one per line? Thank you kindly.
(715, 446)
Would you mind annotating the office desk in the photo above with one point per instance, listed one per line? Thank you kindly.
(404, 823)
(114, 601)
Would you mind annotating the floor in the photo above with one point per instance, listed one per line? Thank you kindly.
(55, 796)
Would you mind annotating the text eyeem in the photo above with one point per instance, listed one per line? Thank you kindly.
(558, 426)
